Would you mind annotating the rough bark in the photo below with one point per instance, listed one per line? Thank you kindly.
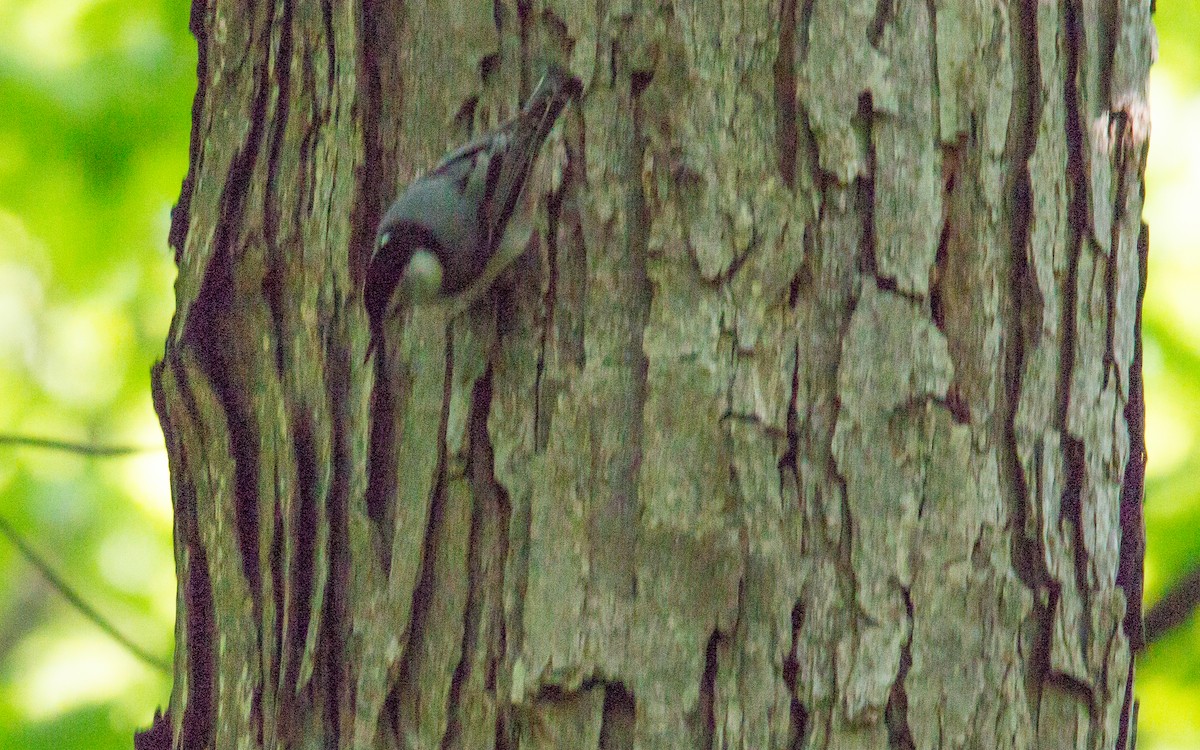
(803, 423)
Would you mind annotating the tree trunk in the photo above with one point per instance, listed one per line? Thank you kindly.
(803, 423)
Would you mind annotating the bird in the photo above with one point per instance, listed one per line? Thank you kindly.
(452, 231)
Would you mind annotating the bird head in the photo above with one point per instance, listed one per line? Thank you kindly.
(404, 269)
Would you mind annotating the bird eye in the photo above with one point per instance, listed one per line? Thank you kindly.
(383, 238)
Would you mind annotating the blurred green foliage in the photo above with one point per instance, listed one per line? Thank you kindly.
(1168, 677)
(96, 96)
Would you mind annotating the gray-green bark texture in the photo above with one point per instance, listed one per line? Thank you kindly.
(803, 423)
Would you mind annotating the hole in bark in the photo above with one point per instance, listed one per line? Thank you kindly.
(639, 80)
(797, 282)
(489, 65)
(616, 727)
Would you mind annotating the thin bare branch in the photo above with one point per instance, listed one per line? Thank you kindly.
(75, 600)
(83, 449)
(1174, 607)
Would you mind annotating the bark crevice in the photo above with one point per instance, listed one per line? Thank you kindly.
(895, 713)
(786, 131)
(406, 688)
(329, 628)
(706, 720)
(202, 666)
(274, 280)
(181, 211)
(798, 727)
(1024, 307)
(1077, 226)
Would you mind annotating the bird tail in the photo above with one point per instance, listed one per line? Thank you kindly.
(533, 124)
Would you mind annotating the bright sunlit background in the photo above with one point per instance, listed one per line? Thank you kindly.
(1168, 678)
(96, 99)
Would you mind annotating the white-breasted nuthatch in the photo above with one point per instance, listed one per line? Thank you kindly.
(452, 231)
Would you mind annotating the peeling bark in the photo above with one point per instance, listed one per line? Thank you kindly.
(810, 419)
